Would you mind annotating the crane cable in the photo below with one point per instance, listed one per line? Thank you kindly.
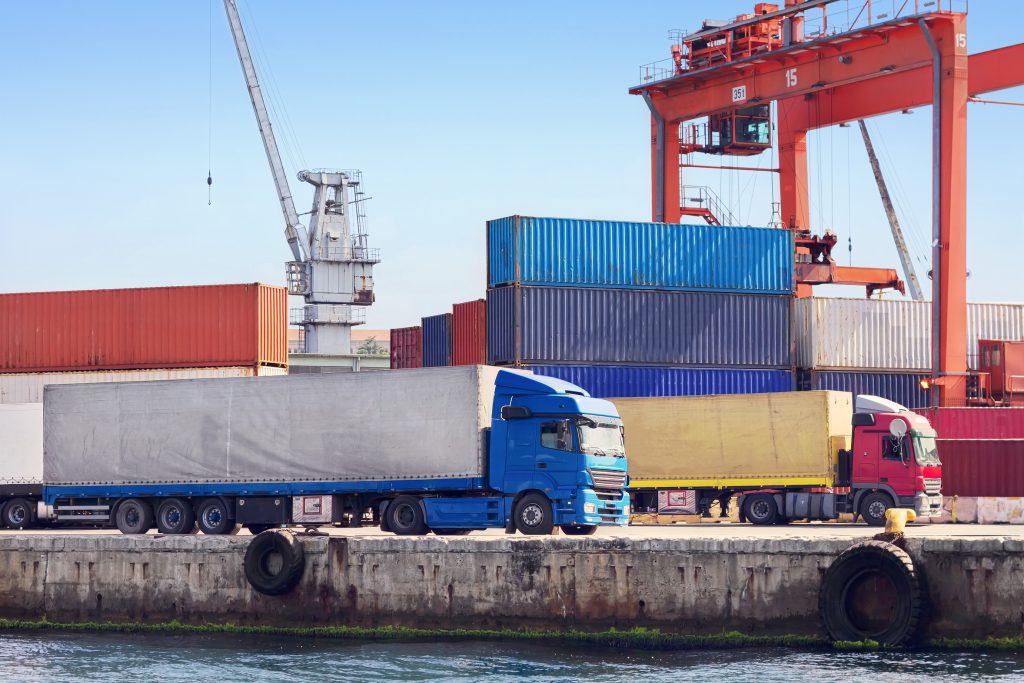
(209, 116)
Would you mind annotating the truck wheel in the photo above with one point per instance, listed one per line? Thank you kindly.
(873, 508)
(274, 562)
(405, 516)
(175, 516)
(17, 514)
(213, 517)
(871, 591)
(760, 509)
(134, 516)
(579, 530)
(533, 515)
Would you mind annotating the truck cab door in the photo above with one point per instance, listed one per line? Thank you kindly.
(865, 457)
(558, 455)
(895, 466)
(521, 455)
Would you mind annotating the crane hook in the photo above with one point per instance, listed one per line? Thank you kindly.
(209, 188)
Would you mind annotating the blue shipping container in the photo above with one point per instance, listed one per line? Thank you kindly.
(570, 252)
(901, 387)
(622, 381)
(437, 340)
(541, 325)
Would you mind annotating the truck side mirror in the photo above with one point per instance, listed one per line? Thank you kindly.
(515, 413)
(564, 435)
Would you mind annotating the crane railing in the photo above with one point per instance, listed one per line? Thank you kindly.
(828, 18)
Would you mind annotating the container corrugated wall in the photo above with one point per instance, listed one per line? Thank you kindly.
(573, 252)
(160, 327)
(28, 387)
(527, 325)
(977, 423)
(982, 467)
(469, 333)
(623, 381)
(888, 334)
(407, 347)
(437, 340)
(903, 388)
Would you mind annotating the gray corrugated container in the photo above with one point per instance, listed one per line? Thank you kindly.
(577, 252)
(21, 443)
(379, 426)
(888, 334)
(528, 325)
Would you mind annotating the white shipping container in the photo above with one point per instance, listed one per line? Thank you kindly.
(28, 387)
(21, 443)
(883, 334)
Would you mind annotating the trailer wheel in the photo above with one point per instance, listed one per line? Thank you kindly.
(872, 591)
(213, 517)
(405, 516)
(760, 509)
(17, 514)
(274, 562)
(873, 508)
(579, 530)
(175, 516)
(533, 516)
(134, 516)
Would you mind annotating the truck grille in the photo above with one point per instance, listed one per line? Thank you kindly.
(608, 479)
(932, 486)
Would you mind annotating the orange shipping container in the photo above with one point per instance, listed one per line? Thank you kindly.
(469, 333)
(158, 327)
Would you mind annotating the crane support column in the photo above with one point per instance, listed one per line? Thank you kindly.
(793, 201)
(947, 39)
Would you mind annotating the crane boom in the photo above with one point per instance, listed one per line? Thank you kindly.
(294, 230)
(890, 212)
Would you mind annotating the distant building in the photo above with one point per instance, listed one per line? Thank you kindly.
(364, 342)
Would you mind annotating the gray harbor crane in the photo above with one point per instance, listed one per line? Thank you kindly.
(332, 266)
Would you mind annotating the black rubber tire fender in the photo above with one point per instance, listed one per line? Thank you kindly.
(760, 509)
(274, 562)
(579, 529)
(213, 517)
(878, 571)
(134, 516)
(868, 501)
(175, 516)
(406, 517)
(533, 515)
(257, 529)
(18, 513)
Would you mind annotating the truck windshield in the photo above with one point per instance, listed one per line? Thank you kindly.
(926, 451)
(602, 436)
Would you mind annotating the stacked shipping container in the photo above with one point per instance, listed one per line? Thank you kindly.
(407, 347)
(437, 340)
(883, 347)
(641, 309)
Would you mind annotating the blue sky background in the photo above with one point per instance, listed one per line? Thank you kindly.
(456, 112)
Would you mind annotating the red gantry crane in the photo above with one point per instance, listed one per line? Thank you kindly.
(826, 62)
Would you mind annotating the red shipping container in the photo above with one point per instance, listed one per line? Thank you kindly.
(977, 423)
(133, 329)
(469, 333)
(406, 347)
(982, 467)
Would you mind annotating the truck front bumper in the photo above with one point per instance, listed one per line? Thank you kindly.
(928, 506)
(589, 507)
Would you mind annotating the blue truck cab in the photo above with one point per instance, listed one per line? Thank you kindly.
(556, 457)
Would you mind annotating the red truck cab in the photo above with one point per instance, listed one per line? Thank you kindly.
(894, 461)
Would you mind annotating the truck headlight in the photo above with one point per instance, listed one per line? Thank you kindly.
(590, 508)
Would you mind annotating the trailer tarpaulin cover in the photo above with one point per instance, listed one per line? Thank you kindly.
(407, 424)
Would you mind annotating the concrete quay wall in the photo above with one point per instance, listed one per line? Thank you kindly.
(756, 586)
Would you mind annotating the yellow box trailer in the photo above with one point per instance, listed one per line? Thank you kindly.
(791, 455)
(779, 439)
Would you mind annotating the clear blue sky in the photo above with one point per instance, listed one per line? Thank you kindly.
(456, 112)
